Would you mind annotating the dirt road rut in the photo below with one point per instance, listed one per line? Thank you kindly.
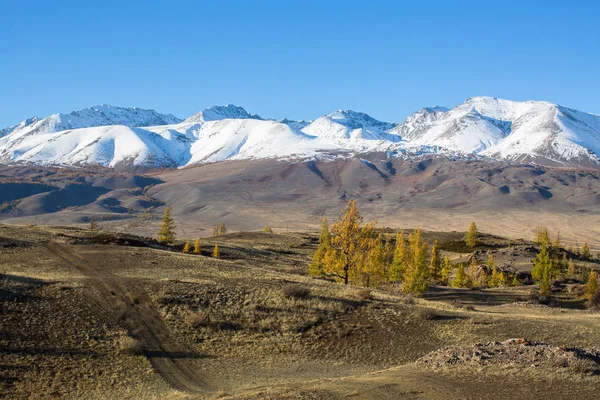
(127, 301)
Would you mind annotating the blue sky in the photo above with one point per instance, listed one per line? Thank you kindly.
(296, 59)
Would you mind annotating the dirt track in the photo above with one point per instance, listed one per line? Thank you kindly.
(127, 302)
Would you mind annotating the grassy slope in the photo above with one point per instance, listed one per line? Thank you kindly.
(244, 335)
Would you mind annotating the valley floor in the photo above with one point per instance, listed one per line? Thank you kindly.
(101, 315)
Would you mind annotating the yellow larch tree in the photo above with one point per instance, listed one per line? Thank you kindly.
(216, 252)
(166, 232)
(556, 244)
(197, 248)
(376, 263)
(446, 269)
(541, 235)
(398, 266)
(542, 260)
(571, 268)
(219, 229)
(435, 263)
(585, 251)
(461, 279)
(316, 267)
(349, 243)
(416, 275)
(592, 286)
(472, 235)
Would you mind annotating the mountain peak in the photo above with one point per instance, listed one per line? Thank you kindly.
(217, 112)
(435, 109)
(356, 120)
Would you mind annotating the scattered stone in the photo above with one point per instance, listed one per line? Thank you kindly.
(517, 352)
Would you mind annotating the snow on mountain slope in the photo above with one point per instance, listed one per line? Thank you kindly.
(102, 115)
(216, 113)
(347, 124)
(527, 131)
(19, 126)
(554, 133)
(295, 125)
(110, 146)
(469, 128)
(248, 138)
(531, 131)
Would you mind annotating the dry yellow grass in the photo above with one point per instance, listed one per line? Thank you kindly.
(247, 334)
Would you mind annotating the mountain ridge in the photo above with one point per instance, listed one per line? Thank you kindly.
(485, 127)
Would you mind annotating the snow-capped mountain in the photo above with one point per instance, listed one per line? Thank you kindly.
(216, 113)
(532, 131)
(518, 131)
(296, 125)
(101, 115)
(346, 124)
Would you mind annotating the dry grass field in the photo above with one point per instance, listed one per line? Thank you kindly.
(98, 315)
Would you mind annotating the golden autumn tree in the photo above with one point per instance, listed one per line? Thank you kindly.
(472, 235)
(592, 285)
(435, 263)
(546, 280)
(216, 252)
(197, 248)
(556, 243)
(446, 269)
(166, 232)
(503, 279)
(316, 267)
(186, 247)
(564, 263)
(515, 280)
(368, 257)
(477, 275)
(374, 270)
(585, 251)
(542, 261)
(416, 275)
(461, 279)
(398, 266)
(494, 280)
(541, 235)
(219, 229)
(571, 268)
(349, 243)
(389, 248)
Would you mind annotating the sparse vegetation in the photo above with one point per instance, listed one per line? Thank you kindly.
(166, 232)
(585, 251)
(296, 292)
(461, 279)
(129, 345)
(259, 312)
(472, 235)
(416, 274)
(216, 252)
(591, 288)
(353, 253)
(93, 225)
(317, 266)
(219, 229)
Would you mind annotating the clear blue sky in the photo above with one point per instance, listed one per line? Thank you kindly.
(297, 59)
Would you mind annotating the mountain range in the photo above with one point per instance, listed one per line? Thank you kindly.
(481, 127)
